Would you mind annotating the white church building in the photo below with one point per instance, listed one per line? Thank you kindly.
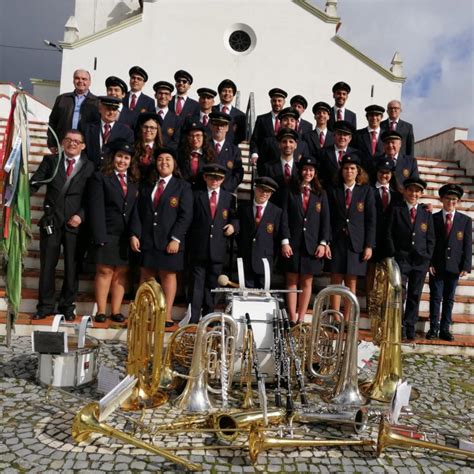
(260, 44)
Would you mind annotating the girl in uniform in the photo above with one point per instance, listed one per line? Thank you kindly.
(149, 138)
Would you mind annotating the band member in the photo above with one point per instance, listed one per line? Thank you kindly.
(170, 123)
(136, 101)
(411, 240)
(396, 124)
(353, 224)
(195, 152)
(452, 258)
(306, 211)
(340, 92)
(321, 136)
(59, 226)
(112, 194)
(213, 222)
(206, 102)
(368, 139)
(182, 105)
(149, 139)
(227, 154)
(260, 224)
(238, 127)
(299, 103)
(117, 88)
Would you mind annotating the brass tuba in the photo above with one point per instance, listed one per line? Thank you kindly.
(195, 397)
(386, 322)
(336, 355)
(145, 339)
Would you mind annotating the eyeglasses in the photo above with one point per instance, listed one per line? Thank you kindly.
(147, 127)
(182, 81)
(73, 142)
(393, 108)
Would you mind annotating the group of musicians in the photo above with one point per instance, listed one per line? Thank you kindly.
(150, 184)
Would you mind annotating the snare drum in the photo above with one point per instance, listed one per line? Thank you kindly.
(260, 310)
(75, 368)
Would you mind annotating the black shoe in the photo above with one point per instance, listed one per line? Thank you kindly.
(38, 316)
(118, 318)
(432, 334)
(100, 318)
(446, 336)
(70, 316)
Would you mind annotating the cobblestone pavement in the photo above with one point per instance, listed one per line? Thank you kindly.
(35, 435)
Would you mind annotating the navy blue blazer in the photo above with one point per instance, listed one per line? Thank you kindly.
(310, 228)
(109, 210)
(304, 127)
(92, 134)
(231, 157)
(453, 254)
(359, 221)
(190, 109)
(171, 129)
(269, 151)
(184, 165)
(406, 131)
(207, 241)
(363, 142)
(312, 140)
(174, 215)
(328, 165)
(238, 127)
(412, 245)
(275, 171)
(406, 167)
(349, 116)
(255, 243)
(145, 103)
(263, 128)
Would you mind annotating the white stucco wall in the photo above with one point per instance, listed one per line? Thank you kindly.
(465, 157)
(293, 51)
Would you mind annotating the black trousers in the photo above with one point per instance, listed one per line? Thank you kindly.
(50, 249)
(203, 279)
(412, 282)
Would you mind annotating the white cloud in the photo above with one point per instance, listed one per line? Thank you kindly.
(436, 41)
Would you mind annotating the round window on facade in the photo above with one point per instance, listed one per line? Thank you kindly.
(240, 39)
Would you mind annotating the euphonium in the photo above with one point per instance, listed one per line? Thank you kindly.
(328, 344)
(386, 322)
(195, 397)
(388, 438)
(145, 340)
(259, 442)
(86, 422)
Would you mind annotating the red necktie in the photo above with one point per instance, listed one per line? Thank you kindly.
(133, 102)
(106, 133)
(123, 183)
(146, 158)
(339, 114)
(393, 126)
(179, 106)
(213, 203)
(205, 120)
(194, 163)
(348, 198)
(161, 114)
(159, 192)
(321, 139)
(70, 166)
(277, 125)
(225, 109)
(448, 225)
(384, 197)
(287, 172)
(258, 215)
(340, 154)
(413, 214)
(305, 198)
(297, 126)
(217, 146)
(373, 142)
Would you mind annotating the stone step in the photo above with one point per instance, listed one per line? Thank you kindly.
(441, 170)
(431, 161)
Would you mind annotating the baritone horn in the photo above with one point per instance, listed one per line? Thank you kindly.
(145, 340)
(336, 356)
(389, 438)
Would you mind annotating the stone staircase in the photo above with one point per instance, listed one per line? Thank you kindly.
(435, 171)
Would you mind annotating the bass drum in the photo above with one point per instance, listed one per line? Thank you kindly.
(260, 310)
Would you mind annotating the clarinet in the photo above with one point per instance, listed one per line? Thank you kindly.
(296, 361)
(278, 356)
(260, 380)
(286, 364)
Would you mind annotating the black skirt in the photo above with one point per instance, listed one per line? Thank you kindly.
(302, 262)
(160, 260)
(115, 252)
(344, 259)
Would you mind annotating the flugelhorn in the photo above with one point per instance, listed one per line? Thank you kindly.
(389, 438)
(258, 442)
(145, 340)
(328, 344)
(195, 397)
